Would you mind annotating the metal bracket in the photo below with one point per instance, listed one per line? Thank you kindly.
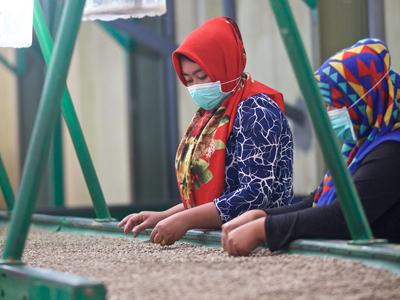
(23, 282)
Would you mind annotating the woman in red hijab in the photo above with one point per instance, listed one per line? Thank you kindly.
(236, 154)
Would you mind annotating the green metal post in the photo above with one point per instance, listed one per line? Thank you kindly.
(311, 3)
(349, 201)
(121, 38)
(39, 144)
(6, 187)
(71, 119)
(56, 167)
(21, 61)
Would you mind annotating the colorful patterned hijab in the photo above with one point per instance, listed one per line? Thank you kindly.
(361, 71)
(217, 47)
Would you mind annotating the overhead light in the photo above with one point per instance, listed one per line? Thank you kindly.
(16, 23)
(108, 10)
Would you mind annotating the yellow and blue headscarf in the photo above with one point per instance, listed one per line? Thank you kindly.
(361, 71)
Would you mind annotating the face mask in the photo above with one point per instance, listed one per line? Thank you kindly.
(342, 125)
(209, 95)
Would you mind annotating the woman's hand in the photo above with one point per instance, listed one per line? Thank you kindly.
(239, 221)
(244, 239)
(142, 221)
(169, 230)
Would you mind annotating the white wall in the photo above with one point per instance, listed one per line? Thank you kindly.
(186, 20)
(9, 137)
(98, 84)
(392, 28)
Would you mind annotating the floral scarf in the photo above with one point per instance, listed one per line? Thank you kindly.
(217, 47)
(361, 71)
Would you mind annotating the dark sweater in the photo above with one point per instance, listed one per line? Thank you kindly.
(377, 180)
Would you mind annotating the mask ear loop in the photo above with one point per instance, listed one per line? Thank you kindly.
(239, 79)
(369, 90)
(352, 132)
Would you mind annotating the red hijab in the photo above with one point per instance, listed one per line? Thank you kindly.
(217, 47)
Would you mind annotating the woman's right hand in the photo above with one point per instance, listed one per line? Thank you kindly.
(142, 221)
(239, 221)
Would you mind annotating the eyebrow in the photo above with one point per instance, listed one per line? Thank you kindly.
(194, 73)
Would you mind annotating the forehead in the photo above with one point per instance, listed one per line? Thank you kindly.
(188, 67)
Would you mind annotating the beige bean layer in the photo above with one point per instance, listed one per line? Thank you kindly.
(132, 269)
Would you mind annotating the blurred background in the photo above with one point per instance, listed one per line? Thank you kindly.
(134, 110)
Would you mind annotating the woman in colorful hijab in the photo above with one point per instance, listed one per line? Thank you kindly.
(362, 96)
(236, 154)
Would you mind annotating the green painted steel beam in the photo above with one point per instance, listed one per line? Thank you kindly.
(56, 168)
(6, 187)
(38, 149)
(121, 38)
(4, 61)
(21, 61)
(27, 283)
(385, 256)
(311, 3)
(348, 197)
(72, 121)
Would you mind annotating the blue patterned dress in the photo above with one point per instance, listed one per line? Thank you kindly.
(259, 160)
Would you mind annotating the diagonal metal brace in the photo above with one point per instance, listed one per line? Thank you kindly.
(6, 187)
(71, 119)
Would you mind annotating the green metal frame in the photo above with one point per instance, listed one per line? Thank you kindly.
(23, 282)
(43, 284)
(56, 167)
(44, 125)
(350, 203)
(55, 162)
(4, 61)
(6, 187)
(19, 69)
(72, 121)
(311, 3)
(125, 41)
(19, 281)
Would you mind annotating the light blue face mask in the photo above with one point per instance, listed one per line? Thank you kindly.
(209, 95)
(342, 125)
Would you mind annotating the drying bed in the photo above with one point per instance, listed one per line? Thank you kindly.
(386, 256)
(135, 269)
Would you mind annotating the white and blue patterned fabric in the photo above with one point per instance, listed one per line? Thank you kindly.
(259, 160)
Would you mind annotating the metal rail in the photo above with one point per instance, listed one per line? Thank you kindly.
(379, 256)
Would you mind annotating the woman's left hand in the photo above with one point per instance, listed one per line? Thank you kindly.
(244, 239)
(169, 230)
